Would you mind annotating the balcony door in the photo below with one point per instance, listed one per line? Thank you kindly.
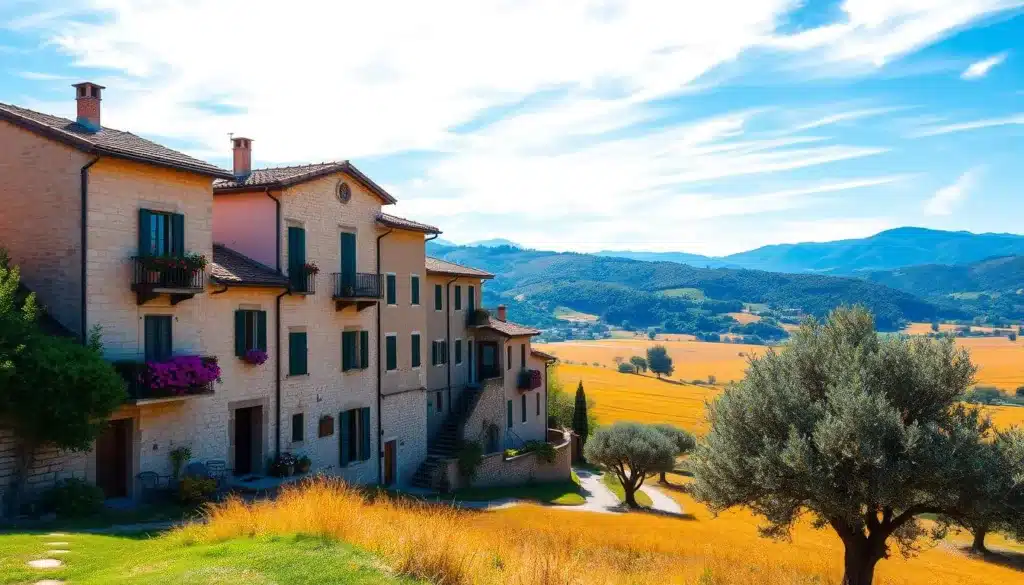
(297, 257)
(348, 259)
(489, 367)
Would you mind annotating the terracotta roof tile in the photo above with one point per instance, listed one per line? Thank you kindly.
(438, 266)
(509, 328)
(279, 177)
(106, 141)
(543, 355)
(406, 224)
(231, 267)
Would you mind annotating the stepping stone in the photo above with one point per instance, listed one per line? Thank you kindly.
(49, 582)
(45, 564)
(56, 534)
(58, 551)
(58, 543)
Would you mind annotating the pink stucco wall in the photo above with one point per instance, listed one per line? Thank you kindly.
(246, 223)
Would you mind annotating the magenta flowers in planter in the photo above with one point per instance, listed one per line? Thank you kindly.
(255, 357)
(181, 374)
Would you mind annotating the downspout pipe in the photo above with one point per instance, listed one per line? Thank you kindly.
(84, 245)
(380, 368)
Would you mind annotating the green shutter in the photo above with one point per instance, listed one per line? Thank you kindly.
(261, 330)
(297, 353)
(240, 333)
(348, 258)
(364, 349)
(415, 290)
(365, 416)
(296, 256)
(343, 424)
(472, 298)
(145, 233)
(508, 414)
(391, 344)
(344, 352)
(177, 234)
(392, 293)
(348, 350)
(458, 298)
(415, 350)
(433, 353)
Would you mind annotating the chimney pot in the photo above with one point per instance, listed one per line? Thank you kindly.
(502, 313)
(241, 149)
(88, 96)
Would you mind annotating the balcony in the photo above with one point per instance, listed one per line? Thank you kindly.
(303, 280)
(529, 380)
(359, 290)
(175, 378)
(477, 317)
(180, 277)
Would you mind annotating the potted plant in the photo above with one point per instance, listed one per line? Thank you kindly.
(284, 466)
(311, 268)
(303, 464)
(179, 457)
(255, 357)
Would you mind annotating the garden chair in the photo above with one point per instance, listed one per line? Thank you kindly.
(217, 469)
(149, 483)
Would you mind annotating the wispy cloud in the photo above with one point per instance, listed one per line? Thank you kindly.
(951, 196)
(846, 116)
(1016, 119)
(980, 69)
(40, 76)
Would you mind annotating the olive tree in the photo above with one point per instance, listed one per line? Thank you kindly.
(684, 443)
(639, 364)
(633, 452)
(861, 432)
(658, 360)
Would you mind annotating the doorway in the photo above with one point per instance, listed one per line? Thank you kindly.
(390, 462)
(248, 446)
(489, 367)
(113, 450)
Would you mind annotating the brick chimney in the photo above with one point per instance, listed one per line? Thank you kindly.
(87, 94)
(241, 149)
(502, 313)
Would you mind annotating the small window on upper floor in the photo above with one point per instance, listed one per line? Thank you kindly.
(161, 234)
(458, 297)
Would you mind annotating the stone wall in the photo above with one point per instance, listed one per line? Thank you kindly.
(496, 470)
(405, 422)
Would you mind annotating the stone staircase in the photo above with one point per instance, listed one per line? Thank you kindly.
(445, 444)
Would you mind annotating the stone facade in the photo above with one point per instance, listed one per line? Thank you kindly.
(497, 470)
(405, 422)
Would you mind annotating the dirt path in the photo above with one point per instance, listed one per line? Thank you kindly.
(662, 503)
(599, 497)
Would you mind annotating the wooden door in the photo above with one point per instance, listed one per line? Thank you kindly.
(113, 448)
(244, 428)
(390, 460)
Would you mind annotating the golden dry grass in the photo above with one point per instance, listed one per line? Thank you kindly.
(532, 545)
(744, 318)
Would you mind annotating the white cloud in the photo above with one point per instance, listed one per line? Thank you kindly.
(980, 69)
(951, 196)
(1016, 119)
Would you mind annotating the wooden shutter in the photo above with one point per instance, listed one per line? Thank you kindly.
(433, 353)
(472, 298)
(177, 235)
(508, 414)
(523, 401)
(415, 350)
(458, 297)
(145, 232)
(240, 333)
(364, 414)
(261, 330)
(415, 290)
(392, 292)
(296, 256)
(364, 349)
(438, 296)
(297, 353)
(348, 258)
(391, 345)
(343, 423)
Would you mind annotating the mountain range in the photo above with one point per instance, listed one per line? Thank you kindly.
(956, 276)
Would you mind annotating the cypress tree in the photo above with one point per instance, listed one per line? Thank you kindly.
(579, 414)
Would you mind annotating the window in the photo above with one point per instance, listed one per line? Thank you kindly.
(458, 297)
(326, 426)
(354, 437)
(414, 289)
(537, 395)
(439, 401)
(157, 337)
(438, 297)
(472, 298)
(250, 331)
(297, 257)
(161, 234)
(297, 359)
(508, 414)
(355, 350)
(298, 430)
(391, 351)
(508, 357)
(523, 407)
(392, 291)
(415, 350)
(439, 353)
(458, 352)
(522, 355)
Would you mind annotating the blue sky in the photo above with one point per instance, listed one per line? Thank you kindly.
(707, 127)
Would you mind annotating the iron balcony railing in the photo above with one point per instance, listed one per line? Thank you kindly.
(478, 317)
(174, 377)
(163, 273)
(529, 379)
(357, 285)
(302, 281)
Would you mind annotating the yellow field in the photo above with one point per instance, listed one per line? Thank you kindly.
(744, 318)
(532, 545)
(1000, 361)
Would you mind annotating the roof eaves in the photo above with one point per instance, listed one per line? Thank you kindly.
(209, 172)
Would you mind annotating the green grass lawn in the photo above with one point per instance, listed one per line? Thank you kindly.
(142, 559)
(562, 493)
(612, 481)
(695, 294)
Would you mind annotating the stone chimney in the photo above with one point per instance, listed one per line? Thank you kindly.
(88, 96)
(502, 313)
(241, 149)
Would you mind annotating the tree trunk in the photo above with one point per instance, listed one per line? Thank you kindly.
(978, 545)
(630, 494)
(662, 478)
(859, 559)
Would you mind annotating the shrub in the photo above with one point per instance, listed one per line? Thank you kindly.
(545, 451)
(196, 490)
(179, 457)
(73, 498)
(984, 395)
(625, 369)
(1020, 391)
(471, 454)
